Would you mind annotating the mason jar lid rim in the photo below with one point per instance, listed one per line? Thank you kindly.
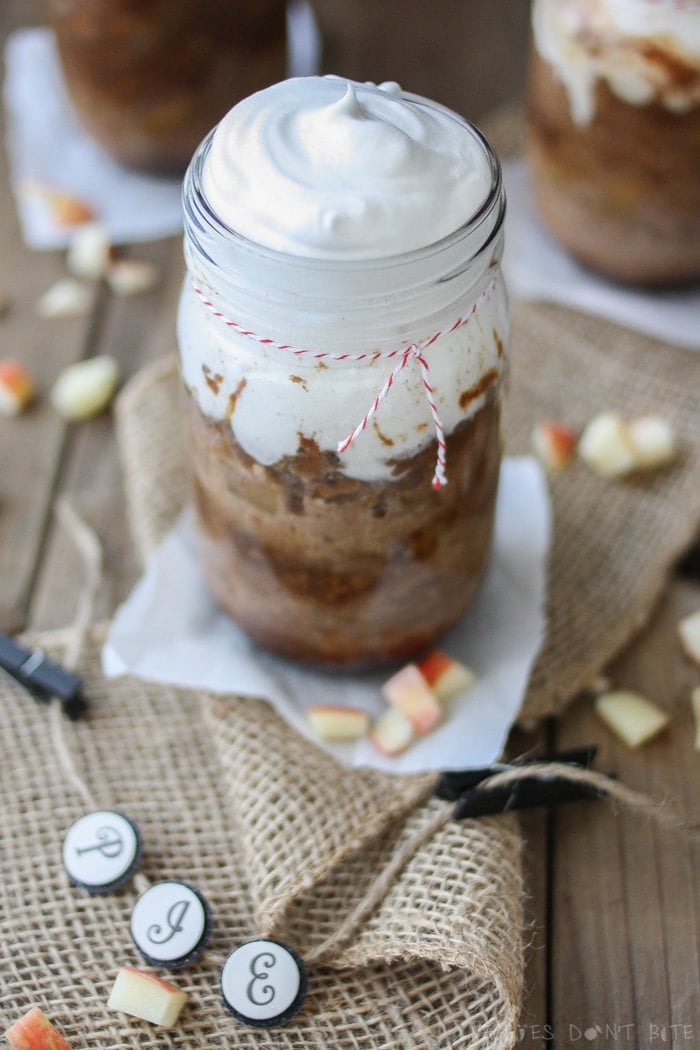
(196, 207)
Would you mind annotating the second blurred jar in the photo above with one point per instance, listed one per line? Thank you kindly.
(149, 78)
(614, 134)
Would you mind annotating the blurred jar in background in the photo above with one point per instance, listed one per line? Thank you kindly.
(149, 78)
(614, 134)
(469, 55)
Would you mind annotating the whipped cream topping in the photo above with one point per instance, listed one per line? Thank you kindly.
(342, 178)
(330, 168)
(272, 401)
(644, 50)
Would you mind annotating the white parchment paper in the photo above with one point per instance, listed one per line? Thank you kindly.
(170, 630)
(535, 267)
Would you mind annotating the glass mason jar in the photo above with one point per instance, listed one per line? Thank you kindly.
(614, 134)
(148, 80)
(348, 558)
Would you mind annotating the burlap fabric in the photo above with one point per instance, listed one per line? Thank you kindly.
(280, 841)
(614, 541)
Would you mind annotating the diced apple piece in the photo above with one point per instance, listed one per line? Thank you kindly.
(85, 388)
(689, 630)
(89, 251)
(695, 704)
(554, 444)
(338, 723)
(132, 276)
(632, 717)
(410, 694)
(16, 387)
(67, 210)
(34, 1031)
(445, 676)
(654, 442)
(146, 996)
(62, 208)
(392, 733)
(605, 446)
(65, 298)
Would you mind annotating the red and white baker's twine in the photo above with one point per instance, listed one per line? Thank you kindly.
(404, 355)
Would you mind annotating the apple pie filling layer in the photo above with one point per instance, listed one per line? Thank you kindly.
(324, 567)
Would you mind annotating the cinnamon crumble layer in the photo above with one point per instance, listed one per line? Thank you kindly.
(323, 567)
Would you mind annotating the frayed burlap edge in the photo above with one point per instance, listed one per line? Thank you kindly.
(435, 962)
(614, 542)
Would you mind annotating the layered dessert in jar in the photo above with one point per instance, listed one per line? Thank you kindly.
(148, 80)
(342, 335)
(614, 134)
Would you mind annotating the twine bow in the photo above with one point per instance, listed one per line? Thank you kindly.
(405, 355)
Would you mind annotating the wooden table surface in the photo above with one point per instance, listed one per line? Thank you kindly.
(613, 899)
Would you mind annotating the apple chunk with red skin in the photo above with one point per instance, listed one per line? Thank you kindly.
(445, 675)
(554, 444)
(17, 388)
(146, 996)
(34, 1031)
(410, 694)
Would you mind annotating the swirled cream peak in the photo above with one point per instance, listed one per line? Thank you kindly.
(644, 50)
(321, 166)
